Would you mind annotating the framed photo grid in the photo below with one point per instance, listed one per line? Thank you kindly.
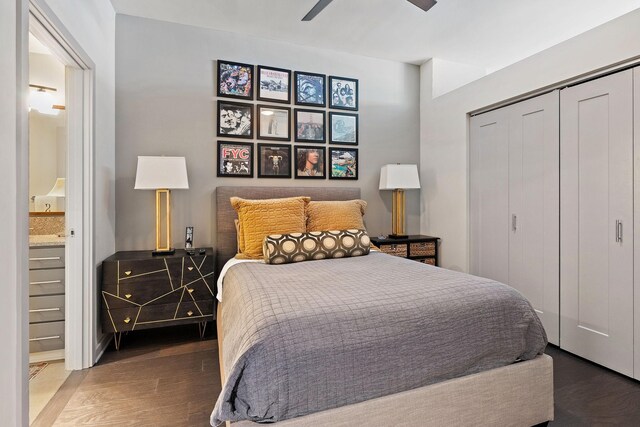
(309, 125)
(310, 89)
(310, 162)
(343, 93)
(275, 84)
(235, 159)
(343, 128)
(344, 163)
(235, 119)
(274, 161)
(235, 80)
(274, 122)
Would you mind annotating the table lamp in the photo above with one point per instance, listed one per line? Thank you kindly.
(399, 178)
(162, 174)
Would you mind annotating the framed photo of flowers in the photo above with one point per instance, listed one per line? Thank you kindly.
(310, 162)
(235, 159)
(274, 122)
(274, 161)
(343, 93)
(309, 125)
(310, 89)
(344, 163)
(343, 128)
(235, 119)
(275, 84)
(235, 80)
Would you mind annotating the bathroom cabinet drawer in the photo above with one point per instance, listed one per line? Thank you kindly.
(46, 282)
(46, 257)
(46, 308)
(46, 336)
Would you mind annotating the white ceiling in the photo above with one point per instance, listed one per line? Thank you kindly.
(490, 33)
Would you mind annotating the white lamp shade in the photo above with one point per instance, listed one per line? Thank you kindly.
(160, 172)
(58, 189)
(393, 177)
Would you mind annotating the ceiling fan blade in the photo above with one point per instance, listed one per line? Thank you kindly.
(316, 9)
(423, 4)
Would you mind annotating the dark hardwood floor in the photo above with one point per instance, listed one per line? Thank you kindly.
(169, 377)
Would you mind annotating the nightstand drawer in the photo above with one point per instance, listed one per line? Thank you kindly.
(422, 249)
(127, 319)
(46, 282)
(46, 336)
(46, 258)
(46, 308)
(132, 269)
(396, 249)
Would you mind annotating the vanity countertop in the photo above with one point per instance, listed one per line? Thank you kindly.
(45, 240)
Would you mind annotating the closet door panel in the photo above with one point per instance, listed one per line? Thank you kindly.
(489, 200)
(597, 194)
(534, 206)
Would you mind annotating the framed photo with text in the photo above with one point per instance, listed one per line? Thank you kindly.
(275, 84)
(310, 162)
(343, 93)
(235, 159)
(235, 119)
(274, 161)
(235, 80)
(344, 163)
(309, 125)
(274, 122)
(343, 128)
(310, 89)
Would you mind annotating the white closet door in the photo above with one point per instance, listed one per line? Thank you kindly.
(596, 157)
(489, 195)
(636, 219)
(534, 206)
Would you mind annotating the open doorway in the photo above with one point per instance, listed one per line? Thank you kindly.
(60, 205)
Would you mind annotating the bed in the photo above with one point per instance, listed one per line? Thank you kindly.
(373, 339)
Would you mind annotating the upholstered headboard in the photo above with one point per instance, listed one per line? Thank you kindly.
(226, 240)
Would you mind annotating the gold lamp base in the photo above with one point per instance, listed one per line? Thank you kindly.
(163, 223)
(397, 219)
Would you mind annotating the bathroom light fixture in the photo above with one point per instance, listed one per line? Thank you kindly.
(43, 101)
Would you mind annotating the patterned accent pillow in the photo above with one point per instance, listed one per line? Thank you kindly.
(296, 247)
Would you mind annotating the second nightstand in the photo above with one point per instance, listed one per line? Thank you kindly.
(416, 247)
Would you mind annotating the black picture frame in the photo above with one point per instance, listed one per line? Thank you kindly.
(273, 126)
(304, 129)
(343, 93)
(269, 165)
(301, 156)
(270, 88)
(231, 79)
(340, 125)
(231, 119)
(343, 163)
(310, 89)
(234, 164)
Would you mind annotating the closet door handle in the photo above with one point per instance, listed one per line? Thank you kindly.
(618, 231)
(514, 222)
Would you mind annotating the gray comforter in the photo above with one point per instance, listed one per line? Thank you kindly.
(305, 337)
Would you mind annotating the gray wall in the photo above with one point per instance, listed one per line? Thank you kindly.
(166, 105)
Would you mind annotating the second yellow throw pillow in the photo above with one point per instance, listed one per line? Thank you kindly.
(336, 215)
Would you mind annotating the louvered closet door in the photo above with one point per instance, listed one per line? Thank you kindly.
(596, 164)
(534, 206)
(489, 195)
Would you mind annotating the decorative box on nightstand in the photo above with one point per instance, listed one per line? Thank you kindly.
(141, 291)
(417, 247)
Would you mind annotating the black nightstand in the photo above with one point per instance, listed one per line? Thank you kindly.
(141, 291)
(417, 247)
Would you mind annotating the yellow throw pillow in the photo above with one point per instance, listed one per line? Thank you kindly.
(336, 215)
(260, 218)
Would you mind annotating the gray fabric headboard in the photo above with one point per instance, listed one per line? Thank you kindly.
(226, 240)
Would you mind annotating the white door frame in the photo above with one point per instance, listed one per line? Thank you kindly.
(79, 270)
